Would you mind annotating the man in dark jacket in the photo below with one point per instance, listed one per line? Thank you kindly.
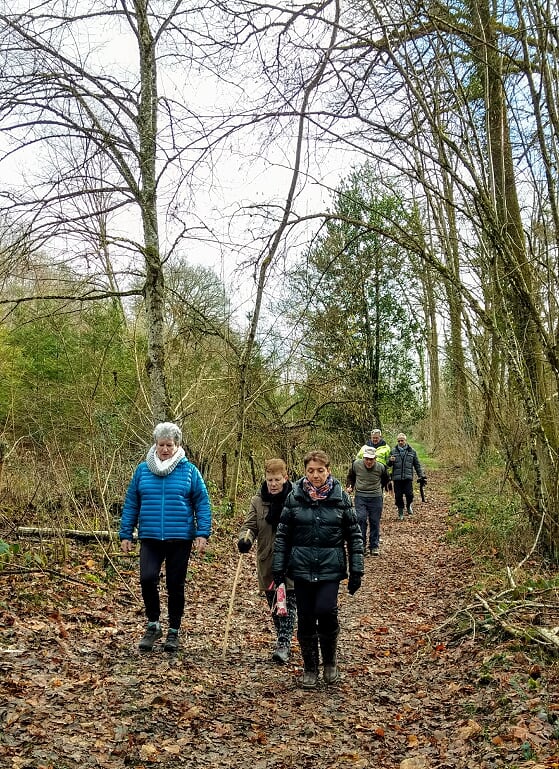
(318, 537)
(403, 461)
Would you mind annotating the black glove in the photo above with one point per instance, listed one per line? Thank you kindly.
(244, 544)
(389, 486)
(423, 481)
(353, 583)
(278, 579)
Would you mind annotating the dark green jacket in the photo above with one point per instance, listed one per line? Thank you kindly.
(317, 540)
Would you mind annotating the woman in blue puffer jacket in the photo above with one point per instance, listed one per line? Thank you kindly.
(167, 500)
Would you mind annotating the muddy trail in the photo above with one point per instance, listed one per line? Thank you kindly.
(420, 688)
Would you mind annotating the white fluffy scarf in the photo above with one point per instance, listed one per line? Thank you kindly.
(166, 467)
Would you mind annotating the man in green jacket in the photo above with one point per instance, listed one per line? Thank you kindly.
(379, 445)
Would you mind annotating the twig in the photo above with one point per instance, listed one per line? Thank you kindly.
(231, 602)
(52, 572)
(543, 635)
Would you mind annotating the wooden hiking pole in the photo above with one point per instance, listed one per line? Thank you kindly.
(231, 602)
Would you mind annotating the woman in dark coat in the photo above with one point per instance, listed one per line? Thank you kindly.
(318, 538)
(261, 524)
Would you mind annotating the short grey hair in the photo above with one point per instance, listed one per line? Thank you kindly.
(168, 430)
(376, 431)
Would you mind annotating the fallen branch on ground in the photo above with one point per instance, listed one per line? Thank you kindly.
(532, 620)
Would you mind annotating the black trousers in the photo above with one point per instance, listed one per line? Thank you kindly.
(403, 489)
(317, 608)
(175, 553)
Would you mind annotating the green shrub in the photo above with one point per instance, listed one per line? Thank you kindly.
(7, 551)
(487, 517)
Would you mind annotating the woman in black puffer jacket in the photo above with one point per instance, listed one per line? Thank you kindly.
(317, 539)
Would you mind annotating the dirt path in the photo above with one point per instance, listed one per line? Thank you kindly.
(76, 693)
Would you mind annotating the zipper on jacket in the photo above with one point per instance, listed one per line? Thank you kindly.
(162, 521)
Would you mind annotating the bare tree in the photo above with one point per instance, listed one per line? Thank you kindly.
(452, 87)
(82, 93)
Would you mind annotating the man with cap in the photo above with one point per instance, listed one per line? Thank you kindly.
(368, 478)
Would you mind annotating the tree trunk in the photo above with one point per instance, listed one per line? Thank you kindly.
(154, 287)
(432, 343)
(514, 273)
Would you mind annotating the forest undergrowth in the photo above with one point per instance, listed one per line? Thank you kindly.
(426, 683)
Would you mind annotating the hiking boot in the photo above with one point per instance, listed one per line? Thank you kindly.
(328, 647)
(172, 641)
(310, 679)
(309, 652)
(401, 513)
(410, 510)
(281, 654)
(331, 674)
(375, 551)
(153, 633)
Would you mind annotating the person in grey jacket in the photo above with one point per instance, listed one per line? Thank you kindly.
(260, 525)
(318, 538)
(402, 462)
(168, 502)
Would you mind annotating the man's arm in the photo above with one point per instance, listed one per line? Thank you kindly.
(351, 478)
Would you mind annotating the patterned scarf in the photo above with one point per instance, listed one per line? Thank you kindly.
(322, 491)
(158, 467)
(276, 502)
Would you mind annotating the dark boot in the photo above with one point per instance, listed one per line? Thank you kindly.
(281, 654)
(172, 641)
(284, 627)
(328, 648)
(153, 633)
(401, 513)
(309, 652)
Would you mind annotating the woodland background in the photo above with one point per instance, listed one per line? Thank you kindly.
(279, 227)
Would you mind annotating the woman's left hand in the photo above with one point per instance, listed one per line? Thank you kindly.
(200, 543)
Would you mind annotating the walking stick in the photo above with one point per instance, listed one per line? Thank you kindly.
(231, 602)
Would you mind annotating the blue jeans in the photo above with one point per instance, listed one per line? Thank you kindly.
(369, 511)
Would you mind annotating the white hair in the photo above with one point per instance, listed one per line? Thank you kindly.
(168, 430)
